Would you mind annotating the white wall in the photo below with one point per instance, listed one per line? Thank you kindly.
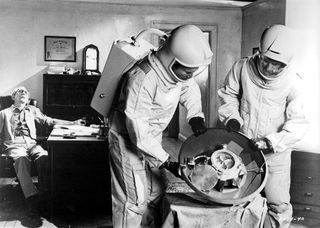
(304, 18)
(256, 17)
(23, 25)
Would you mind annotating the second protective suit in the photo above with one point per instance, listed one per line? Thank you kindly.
(269, 107)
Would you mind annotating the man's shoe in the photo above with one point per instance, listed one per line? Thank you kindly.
(32, 217)
(31, 220)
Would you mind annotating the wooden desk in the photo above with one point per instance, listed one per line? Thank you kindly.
(80, 175)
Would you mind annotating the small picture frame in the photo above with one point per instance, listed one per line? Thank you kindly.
(60, 49)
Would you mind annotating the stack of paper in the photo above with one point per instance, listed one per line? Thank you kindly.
(77, 130)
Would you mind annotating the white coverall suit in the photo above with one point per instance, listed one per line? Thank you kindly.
(271, 109)
(147, 102)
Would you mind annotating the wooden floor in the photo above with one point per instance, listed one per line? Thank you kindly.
(13, 213)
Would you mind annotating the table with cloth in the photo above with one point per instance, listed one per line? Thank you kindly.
(182, 207)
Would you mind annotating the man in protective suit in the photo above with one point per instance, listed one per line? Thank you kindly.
(262, 98)
(150, 93)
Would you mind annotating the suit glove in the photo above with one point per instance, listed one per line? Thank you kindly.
(173, 167)
(197, 125)
(262, 144)
(233, 125)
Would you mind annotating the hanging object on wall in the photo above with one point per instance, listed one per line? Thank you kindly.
(90, 60)
(60, 49)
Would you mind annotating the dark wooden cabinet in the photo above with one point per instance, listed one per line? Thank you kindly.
(305, 188)
(79, 167)
(80, 176)
(69, 96)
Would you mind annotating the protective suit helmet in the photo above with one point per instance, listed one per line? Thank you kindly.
(275, 44)
(186, 46)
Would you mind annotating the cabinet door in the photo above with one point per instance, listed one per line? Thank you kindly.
(80, 178)
(69, 96)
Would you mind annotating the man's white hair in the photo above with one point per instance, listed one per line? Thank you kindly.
(17, 89)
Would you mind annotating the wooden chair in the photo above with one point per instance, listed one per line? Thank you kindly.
(6, 163)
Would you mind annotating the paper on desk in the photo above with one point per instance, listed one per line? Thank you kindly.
(78, 130)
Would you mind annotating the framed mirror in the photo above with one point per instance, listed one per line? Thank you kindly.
(90, 60)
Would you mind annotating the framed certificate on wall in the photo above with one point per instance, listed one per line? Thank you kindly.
(60, 48)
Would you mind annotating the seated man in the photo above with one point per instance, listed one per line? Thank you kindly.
(18, 136)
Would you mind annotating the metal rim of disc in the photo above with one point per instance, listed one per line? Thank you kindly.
(215, 136)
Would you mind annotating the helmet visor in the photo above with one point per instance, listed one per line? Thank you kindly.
(183, 73)
(269, 67)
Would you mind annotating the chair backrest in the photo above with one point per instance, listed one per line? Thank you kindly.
(5, 102)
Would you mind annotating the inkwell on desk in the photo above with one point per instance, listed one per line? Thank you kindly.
(103, 129)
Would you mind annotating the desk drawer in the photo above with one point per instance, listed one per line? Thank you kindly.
(305, 194)
(305, 222)
(304, 210)
(305, 177)
(306, 215)
(305, 161)
(84, 153)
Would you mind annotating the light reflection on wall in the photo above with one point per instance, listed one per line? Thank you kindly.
(307, 64)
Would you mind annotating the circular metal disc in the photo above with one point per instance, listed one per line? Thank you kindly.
(238, 143)
(204, 177)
